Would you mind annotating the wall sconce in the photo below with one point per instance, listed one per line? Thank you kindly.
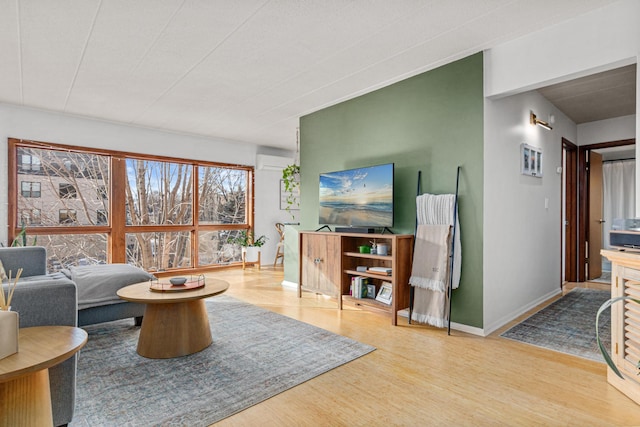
(536, 121)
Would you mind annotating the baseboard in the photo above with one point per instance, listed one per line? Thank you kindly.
(481, 332)
(289, 285)
(468, 329)
(519, 312)
(455, 326)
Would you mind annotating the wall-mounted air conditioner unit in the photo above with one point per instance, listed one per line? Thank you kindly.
(274, 163)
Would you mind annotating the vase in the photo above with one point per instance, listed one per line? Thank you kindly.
(8, 333)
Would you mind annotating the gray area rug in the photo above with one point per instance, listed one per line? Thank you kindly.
(568, 325)
(255, 355)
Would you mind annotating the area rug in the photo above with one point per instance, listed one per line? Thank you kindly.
(568, 325)
(255, 355)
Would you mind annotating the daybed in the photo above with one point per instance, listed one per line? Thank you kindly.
(43, 299)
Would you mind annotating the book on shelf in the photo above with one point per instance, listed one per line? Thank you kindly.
(380, 270)
(359, 286)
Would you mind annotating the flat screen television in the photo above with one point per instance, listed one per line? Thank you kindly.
(361, 197)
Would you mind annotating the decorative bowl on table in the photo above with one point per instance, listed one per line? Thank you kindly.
(176, 281)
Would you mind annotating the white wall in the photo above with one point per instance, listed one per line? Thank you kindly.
(616, 129)
(522, 254)
(267, 200)
(23, 123)
(522, 214)
(600, 40)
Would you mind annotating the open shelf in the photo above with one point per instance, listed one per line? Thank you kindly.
(369, 274)
(368, 303)
(368, 256)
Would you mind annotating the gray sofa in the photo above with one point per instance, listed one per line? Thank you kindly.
(43, 299)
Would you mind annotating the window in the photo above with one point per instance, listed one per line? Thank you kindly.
(159, 193)
(102, 192)
(222, 195)
(30, 217)
(67, 191)
(66, 180)
(28, 163)
(66, 196)
(30, 189)
(101, 217)
(159, 251)
(65, 250)
(67, 216)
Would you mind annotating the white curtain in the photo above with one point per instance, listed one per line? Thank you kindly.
(619, 185)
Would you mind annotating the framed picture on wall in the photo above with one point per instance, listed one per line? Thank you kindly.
(530, 160)
(288, 196)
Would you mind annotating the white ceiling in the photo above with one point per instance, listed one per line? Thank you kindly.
(243, 70)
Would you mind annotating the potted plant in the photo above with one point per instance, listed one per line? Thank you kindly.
(21, 238)
(250, 245)
(601, 347)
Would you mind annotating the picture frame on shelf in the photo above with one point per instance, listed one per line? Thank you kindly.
(371, 291)
(530, 160)
(385, 293)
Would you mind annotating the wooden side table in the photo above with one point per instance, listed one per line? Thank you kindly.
(25, 396)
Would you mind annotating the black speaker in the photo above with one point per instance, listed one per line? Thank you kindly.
(364, 230)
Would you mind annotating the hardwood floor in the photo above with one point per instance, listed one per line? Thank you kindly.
(420, 376)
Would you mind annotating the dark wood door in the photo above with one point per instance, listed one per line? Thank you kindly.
(570, 217)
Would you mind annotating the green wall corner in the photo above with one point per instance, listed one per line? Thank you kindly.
(432, 123)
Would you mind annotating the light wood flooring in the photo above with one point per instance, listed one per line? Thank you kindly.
(419, 376)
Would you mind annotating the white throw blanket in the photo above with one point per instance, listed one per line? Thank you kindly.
(430, 307)
(435, 215)
(432, 252)
(437, 209)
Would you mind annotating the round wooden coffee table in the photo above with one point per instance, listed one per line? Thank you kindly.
(175, 323)
(25, 397)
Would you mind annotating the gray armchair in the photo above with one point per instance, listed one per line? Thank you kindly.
(41, 300)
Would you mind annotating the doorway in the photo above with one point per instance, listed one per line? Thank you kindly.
(602, 201)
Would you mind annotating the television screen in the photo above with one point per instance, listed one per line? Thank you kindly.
(360, 197)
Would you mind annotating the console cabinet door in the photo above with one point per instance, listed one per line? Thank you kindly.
(320, 264)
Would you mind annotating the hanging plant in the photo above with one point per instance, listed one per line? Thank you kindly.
(291, 180)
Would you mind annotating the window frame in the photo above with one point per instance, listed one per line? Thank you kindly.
(117, 228)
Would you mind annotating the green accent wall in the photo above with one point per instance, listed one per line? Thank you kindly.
(432, 122)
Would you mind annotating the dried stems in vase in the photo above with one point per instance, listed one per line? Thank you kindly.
(5, 303)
